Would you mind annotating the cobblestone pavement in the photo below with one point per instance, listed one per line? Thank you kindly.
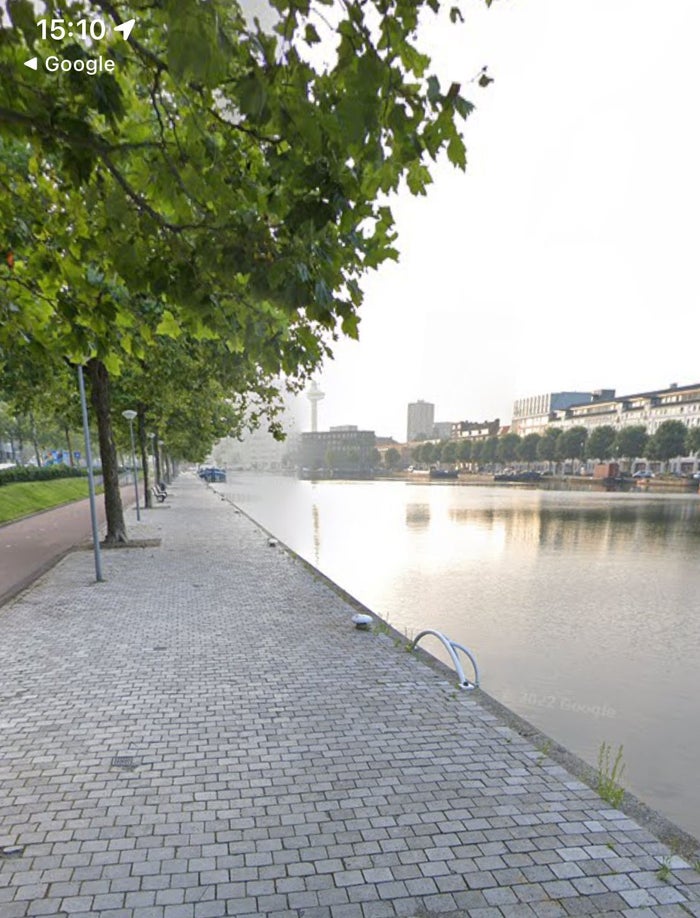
(206, 734)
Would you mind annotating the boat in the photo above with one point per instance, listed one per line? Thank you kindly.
(441, 474)
(528, 476)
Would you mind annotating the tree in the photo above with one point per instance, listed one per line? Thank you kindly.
(392, 458)
(449, 450)
(547, 448)
(630, 442)
(489, 450)
(508, 447)
(477, 451)
(572, 443)
(692, 443)
(429, 452)
(464, 450)
(218, 184)
(668, 441)
(527, 450)
(600, 443)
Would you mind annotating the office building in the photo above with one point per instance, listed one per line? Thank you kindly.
(421, 419)
(536, 412)
(345, 449)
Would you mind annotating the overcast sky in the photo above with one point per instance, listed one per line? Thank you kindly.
(566, 257)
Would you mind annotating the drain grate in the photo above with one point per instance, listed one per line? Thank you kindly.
(125, 762)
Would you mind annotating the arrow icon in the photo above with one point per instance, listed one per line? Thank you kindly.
(33, 64)
(125, 28)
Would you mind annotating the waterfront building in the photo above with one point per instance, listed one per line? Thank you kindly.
(442, 430)
(256, 450)
(648, 409)
(475, 430)
(534, 413)
(342, 448)
(421, 420)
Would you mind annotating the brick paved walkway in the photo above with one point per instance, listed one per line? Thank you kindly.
(206, 734)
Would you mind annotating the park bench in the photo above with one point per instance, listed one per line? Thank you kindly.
(159, 493)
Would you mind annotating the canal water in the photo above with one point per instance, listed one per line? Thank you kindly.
(582, 608)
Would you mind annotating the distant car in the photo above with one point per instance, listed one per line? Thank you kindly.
(696, 476)
(643, 474)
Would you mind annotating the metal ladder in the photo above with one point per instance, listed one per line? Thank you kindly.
(452, 647)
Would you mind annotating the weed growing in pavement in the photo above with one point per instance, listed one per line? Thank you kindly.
(609, 774)
(664, 871)
(381, 627)
(544, 751)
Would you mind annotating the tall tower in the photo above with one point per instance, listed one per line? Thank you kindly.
(421, 417)
(314, 395)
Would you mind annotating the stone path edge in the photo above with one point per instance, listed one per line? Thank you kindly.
(677, 839)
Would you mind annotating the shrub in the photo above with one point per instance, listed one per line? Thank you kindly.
(32, 473)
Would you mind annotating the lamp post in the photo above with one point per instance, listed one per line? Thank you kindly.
(130, 415)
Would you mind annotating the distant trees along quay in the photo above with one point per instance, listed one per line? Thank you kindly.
(673, 443)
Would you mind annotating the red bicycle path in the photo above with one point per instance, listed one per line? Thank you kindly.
(30, 546)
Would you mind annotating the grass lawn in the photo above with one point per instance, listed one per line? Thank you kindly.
(24, 497)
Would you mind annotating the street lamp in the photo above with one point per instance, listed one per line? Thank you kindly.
(130, 415)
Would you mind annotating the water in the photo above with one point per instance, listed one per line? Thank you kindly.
(582, 608)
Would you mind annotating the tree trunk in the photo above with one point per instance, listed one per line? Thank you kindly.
(143, 451)
(156, 455)
(70, 448)
(100, 398)
(32, 426)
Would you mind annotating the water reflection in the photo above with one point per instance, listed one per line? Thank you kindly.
(642, 524)
(417, 516)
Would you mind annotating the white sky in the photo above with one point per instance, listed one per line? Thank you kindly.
(566, 257)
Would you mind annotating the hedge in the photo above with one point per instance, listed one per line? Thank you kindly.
(32, 473)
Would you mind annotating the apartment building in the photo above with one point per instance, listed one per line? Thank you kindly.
(649, 409)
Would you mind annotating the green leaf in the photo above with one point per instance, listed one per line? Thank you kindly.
(417, 178)
(456, 152)
(433, 89)
(252, 96)
(23, 18)
(350, 325)
(194, 48)
(169, 326)
(463, 107)
(311, 36)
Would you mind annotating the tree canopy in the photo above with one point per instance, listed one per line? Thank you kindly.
(219, 181)
(222, 182)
